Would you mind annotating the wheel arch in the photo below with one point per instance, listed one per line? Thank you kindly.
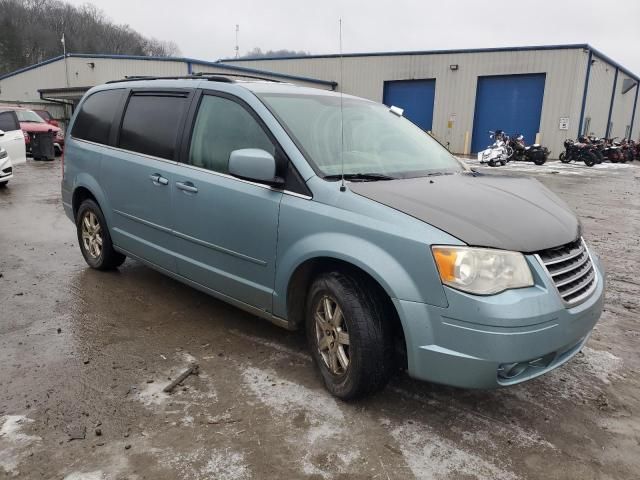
(86, 187)
(303, 275)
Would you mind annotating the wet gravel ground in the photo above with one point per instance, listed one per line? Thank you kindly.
(84, 356)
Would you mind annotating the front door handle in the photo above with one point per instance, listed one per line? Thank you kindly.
(187, 187)
(158, 179)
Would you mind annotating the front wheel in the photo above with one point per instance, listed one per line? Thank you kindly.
(563, 158)
(349, 337)
(94, 238)
(590, 159)
(4, 184)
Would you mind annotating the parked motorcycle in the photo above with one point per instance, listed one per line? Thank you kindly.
(577, 151)
(533, 153)
(628, 149)
(499, 152)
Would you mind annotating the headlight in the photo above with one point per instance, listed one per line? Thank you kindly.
(3, 153)
(482, 271)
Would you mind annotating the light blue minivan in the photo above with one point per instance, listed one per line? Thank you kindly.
(337, 215)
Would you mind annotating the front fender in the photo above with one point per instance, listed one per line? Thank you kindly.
(392, 276)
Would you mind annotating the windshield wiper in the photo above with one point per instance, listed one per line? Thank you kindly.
(360, 177)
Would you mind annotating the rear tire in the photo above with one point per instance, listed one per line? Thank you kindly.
(337, 305)
(94, 238)
(540, 161)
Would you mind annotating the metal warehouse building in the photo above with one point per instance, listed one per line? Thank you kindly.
(59, 83)
(546, 92)
(553, 91)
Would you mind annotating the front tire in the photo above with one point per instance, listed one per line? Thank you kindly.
(563, 158)
(350, 339)
(4, 184)
(94, 238)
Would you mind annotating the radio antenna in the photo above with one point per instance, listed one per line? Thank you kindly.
(342, 186)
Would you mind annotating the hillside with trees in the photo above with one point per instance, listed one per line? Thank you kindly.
(31, 30)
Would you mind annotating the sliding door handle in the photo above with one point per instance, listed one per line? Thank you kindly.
(158, 179)
(187, 187)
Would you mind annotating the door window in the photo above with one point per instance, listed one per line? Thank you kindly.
(9, 122)
(96, 115)
(221, 127)
(151, 123)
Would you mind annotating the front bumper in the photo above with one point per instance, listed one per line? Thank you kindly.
(467, 343)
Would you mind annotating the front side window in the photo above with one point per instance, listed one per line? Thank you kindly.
(93, 122)
(9, 122)
(221, 127)
(373, 140)
(151, 123)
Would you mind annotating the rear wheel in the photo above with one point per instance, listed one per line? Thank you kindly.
(94, 238)
(350, 339)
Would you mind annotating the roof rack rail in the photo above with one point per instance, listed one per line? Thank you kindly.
(212, 77)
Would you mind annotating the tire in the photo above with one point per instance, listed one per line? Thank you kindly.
(590, 159)
(4, 184)
(369, 349)
(92, 228)
(540, 161)
(492, 163)
(563, 158)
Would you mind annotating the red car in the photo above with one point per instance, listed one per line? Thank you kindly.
(31, 123)
(46, 116)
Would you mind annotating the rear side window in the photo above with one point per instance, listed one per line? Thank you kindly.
(9, 121)
(221, 127)
(96, 115)
(151, 123)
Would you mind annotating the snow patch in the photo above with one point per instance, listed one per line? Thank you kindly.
(97, 475)
(602, 364)
(206, 464)
(432, 456)
(13, 442)
(281, 395)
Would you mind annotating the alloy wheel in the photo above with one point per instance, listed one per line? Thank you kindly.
(332, 336)
(91, 234)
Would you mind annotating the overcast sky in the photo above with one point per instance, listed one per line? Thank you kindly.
(205, 29)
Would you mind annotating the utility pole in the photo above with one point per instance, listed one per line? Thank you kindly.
(64, 54)
(237, 49)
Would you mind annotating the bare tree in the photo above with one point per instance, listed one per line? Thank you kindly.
(32, 29)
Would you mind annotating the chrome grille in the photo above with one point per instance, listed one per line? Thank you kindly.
(571, 270)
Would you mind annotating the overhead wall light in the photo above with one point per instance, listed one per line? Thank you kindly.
(453, 67)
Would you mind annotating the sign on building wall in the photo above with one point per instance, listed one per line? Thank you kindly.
(564, 123)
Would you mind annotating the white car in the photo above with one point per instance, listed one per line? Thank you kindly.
(11, 136)
(6, 168)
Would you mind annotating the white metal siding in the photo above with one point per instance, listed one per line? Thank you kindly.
(622, 108)
(198, 67)
(599, 96)
(456, 90)
(24, 86)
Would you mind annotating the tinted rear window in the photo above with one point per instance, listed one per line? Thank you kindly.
(95, 117)
(9, 121)
(151, 122)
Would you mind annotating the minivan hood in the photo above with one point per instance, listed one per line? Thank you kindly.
(510, 213)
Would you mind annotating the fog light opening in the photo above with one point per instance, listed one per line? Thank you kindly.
(512, 370)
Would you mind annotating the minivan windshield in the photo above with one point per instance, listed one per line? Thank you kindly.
(378, 144)
(28, 116)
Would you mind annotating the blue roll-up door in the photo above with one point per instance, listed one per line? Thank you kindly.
(512, 103)
(415, 97)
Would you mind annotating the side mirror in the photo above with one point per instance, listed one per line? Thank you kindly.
(256, 165)
(1, 133)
